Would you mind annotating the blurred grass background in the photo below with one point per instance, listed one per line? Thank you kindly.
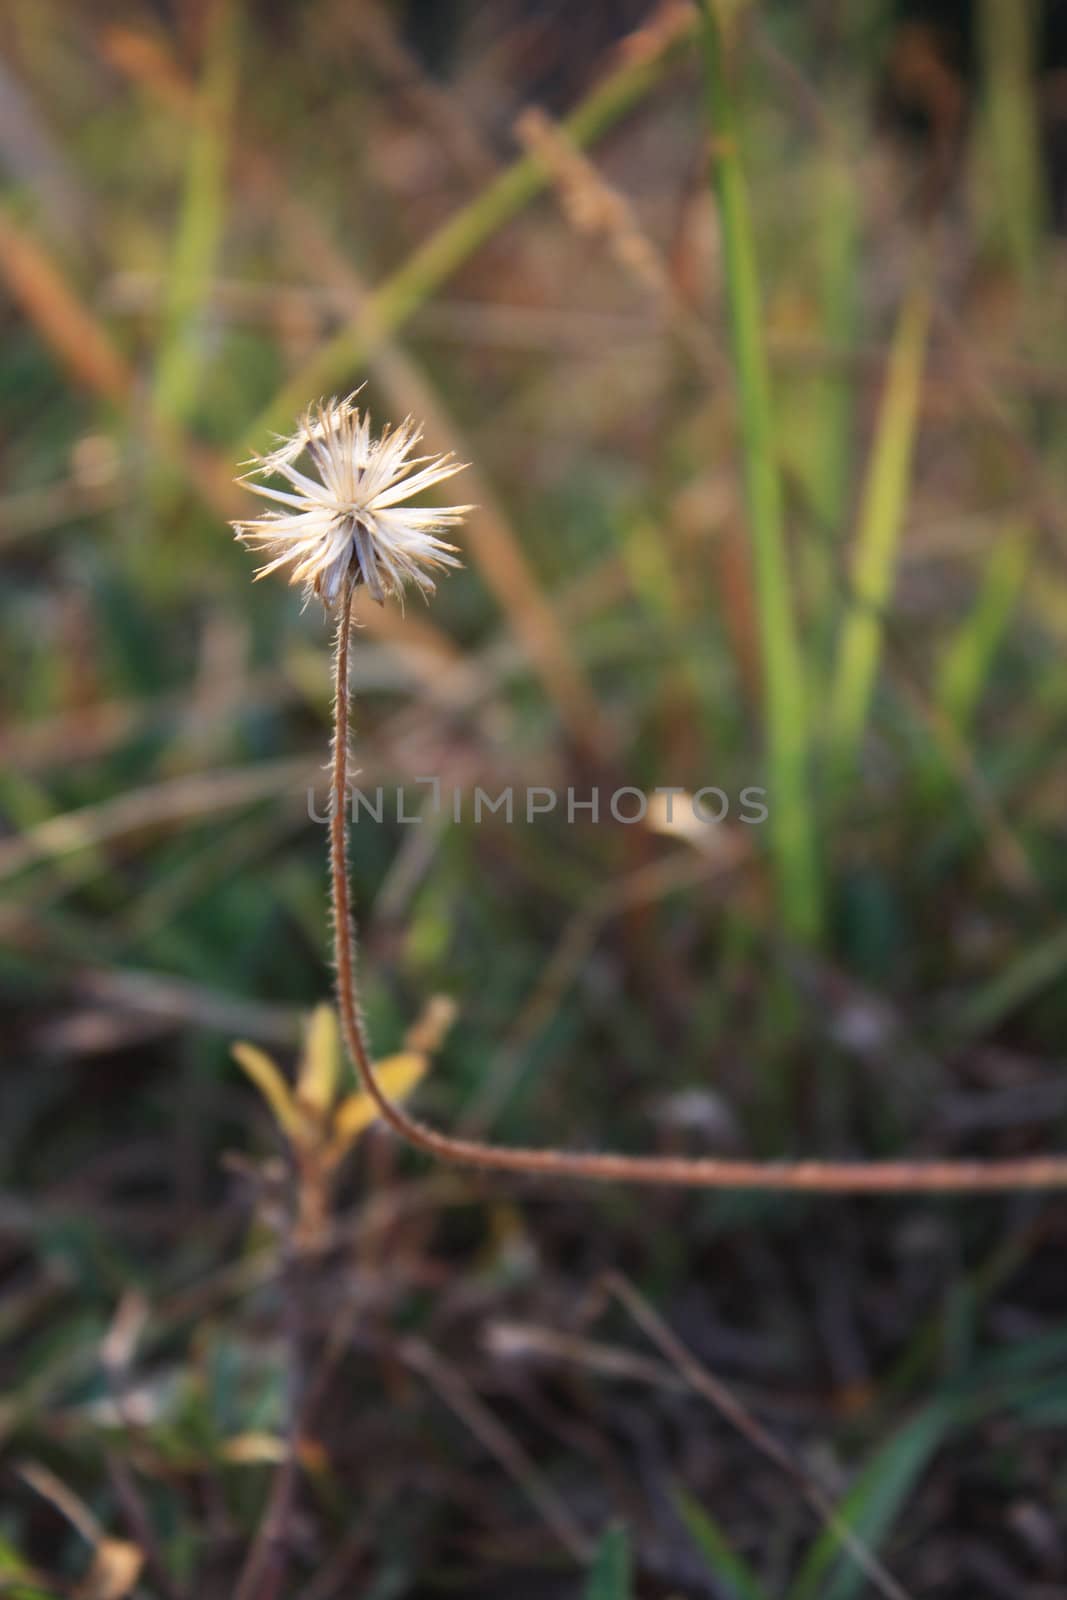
(769, 485)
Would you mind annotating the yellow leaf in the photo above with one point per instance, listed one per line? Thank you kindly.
(321, 1065)
(268, 1449)
(399, 1075)
(427, 1035)
(115, 1570)
(254, 1449)
(271, 1085)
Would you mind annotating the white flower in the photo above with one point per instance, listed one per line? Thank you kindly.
(351, 524)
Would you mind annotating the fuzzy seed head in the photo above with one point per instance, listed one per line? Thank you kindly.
(351, 523)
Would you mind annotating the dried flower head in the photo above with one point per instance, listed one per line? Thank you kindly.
(351, 524)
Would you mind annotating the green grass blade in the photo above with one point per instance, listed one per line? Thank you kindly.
(1027, 1379)
(1035, 969)
(816, 411)
(968, 657)
(791, 822)
(609, 1578)
(833, 408)
(181, 351)
(1008, 29)
(733, 1575)
(881, 516)
(838, 225)
(871, 1507)
(12, 1568)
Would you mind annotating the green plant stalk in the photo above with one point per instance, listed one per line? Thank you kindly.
(884, 503)
(445, 251)
(838, 244)
(968, 658)
(1007, 34)
(791, 822)
(833, 404)
(181, 350)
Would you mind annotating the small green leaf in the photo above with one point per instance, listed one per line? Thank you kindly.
(609, 1578)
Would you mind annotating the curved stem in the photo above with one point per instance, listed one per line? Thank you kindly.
(828, 1177)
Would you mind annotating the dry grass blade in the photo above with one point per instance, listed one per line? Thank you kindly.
(83, 346)
(643, 60)
(116, 1563)
(442, 114)
(177, 1002)
(596, 209)
(726, 1403)
(499, 557)
(67, 327)
(522, 1341)
(176, 800)
(503, 1446)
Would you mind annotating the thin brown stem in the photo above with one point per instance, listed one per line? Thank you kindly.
(457, 1394)
(824, 1177)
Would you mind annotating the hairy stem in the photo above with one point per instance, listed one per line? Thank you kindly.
(828, 1177)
